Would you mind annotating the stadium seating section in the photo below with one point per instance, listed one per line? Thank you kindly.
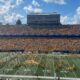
(40, 44)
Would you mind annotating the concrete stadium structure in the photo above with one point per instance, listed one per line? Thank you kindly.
(58, 38)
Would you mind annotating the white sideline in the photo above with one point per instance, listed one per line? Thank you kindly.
(35, 77)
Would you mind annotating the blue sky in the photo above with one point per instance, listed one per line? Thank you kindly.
(11, 10)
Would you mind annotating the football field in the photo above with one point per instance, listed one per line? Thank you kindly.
(52, 65)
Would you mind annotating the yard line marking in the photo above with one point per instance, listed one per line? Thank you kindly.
(72, 71)
(38, 64)
(45, 65)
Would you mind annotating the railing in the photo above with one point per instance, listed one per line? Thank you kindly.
(37, 77)
(40, 36)
(14, 50)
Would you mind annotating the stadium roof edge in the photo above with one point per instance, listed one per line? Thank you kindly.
(53, 13)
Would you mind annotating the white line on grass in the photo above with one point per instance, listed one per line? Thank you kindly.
(69, 65)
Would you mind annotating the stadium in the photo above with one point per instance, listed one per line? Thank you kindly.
(43, 49)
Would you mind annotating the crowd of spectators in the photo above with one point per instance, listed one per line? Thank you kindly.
(40, 44)
(27, 30)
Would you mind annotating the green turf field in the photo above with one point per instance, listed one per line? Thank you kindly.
(66, 65)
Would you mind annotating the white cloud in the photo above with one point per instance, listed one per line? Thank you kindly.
(3, 10)
(7, 5)
(18, 2)
(78, 10)
(64, 19)
(35, 3)
(34, 7)
(55, 1)
(11, 19)
(69, 19)
(76, 17)
(37, 10)
(3, 1)
(30, 9)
